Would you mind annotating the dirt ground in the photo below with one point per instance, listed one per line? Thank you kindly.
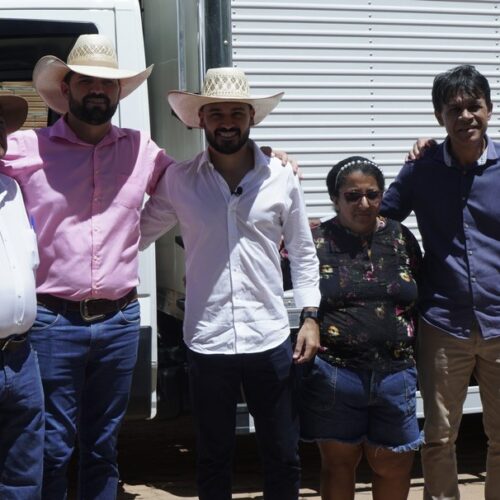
(157, 463)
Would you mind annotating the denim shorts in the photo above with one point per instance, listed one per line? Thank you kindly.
(354, 406)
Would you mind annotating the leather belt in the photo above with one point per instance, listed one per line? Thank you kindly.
(89, 309)
(13, 343)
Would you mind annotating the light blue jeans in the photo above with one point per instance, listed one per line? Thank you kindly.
(86, 371)
(21, 425)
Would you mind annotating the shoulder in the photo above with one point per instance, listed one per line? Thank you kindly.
(142, 141)
(186, 168)
(395, 226)
(133, 135)
(432, 157)
(283, 174)
(271, 164)
(402, 232)
(496, 147)
(325, 229)
(26, 137)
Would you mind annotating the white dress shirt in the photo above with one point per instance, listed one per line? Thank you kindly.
(19, 259)
(234, 285)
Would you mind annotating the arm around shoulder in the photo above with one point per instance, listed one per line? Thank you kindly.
(158, 214)
(397, 202)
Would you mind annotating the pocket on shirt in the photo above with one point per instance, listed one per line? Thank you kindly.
(129, 193)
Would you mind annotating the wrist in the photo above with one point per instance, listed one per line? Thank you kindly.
(310, 313)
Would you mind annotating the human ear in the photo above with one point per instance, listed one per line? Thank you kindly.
(65, 89)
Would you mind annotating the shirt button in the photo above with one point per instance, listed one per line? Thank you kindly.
(473, 280)
(470, 252)
(466, 226)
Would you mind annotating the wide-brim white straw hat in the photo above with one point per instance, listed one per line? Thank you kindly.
(92, 55)
(220, 85)
(14, 110)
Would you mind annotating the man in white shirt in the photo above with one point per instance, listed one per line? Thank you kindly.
(234, 205)
(21, 396)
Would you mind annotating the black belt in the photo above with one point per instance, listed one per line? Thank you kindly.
(89, 309)
(13, 343)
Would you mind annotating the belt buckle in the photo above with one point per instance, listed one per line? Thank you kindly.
(84, 311)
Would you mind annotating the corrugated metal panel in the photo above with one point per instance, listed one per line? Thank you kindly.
(357, 75)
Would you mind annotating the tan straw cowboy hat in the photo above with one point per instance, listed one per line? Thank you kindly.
(92, 55)
(14, 110)
(220, 85)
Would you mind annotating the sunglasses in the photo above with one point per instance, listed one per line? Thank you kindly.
(355, 196)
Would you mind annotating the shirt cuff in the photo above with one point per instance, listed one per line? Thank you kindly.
(306, 297)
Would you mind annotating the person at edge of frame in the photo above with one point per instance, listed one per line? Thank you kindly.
(21, 395)
(452, 188)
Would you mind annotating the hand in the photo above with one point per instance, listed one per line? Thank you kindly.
(284, 158)
(307, 342)
(423, 144)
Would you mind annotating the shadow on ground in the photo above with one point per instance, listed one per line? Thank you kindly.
(162, 453)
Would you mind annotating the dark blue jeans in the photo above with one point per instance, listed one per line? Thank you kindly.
(21, 425)
(267, 381)
(86, 371)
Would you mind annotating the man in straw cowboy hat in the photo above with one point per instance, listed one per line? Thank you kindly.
(234, 205)
(21, 395)
(84, 180)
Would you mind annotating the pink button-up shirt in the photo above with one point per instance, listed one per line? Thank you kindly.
(84, 202)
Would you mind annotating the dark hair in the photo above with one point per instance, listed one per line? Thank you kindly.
(464, 79)
(339, 172)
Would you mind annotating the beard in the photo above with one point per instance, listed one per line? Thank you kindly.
(92, 114)
(227, 146)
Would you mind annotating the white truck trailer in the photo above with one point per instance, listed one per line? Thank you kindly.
(357, 78)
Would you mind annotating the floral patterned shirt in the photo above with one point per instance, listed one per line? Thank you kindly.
(369, 290)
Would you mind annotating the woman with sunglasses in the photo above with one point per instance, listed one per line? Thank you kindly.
(358, 396)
